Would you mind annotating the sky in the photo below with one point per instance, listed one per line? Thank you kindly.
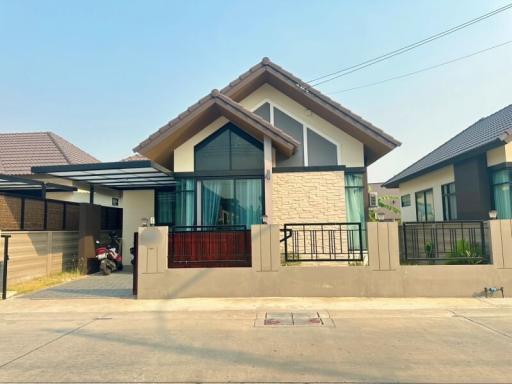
(106, 74)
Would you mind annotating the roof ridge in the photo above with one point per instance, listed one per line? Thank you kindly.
(57, 145)
(479, 121)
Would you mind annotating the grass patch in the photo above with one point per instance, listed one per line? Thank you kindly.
(45, 282)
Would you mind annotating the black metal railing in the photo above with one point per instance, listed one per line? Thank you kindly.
(324, 242)
(209, 246)
(449, 242)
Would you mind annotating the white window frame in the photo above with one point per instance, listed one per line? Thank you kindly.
(305, 128)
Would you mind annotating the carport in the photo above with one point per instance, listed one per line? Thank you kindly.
(137, 175)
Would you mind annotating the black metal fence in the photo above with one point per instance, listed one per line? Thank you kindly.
(209, 246)
(324, 242)
(450, 242)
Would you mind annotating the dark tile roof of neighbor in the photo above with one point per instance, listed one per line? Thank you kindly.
(19, 152)
(486, 132)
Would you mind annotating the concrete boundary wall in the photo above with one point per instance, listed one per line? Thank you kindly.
(383, 277)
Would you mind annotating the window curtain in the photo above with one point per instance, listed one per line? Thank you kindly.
(165, 207)
(185, 202)
(354, 200)
(502, 195)
(210, 196)
(249, 202)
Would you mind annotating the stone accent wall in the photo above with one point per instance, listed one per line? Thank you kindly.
(308, 197)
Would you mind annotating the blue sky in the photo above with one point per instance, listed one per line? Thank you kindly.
(106, 74)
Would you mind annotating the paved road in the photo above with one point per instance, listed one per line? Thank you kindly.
(381, 340)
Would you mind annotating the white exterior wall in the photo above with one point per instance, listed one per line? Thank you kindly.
(429, 180)
(350, 150)
(137, 205)
(499, 155)
(184, 154)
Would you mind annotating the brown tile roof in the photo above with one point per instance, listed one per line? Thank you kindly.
(135, 157)
(21, 151)
(225, 103)
(377, 142)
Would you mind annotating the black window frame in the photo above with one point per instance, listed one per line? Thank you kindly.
(408, 196)
(233, 129)
(424, 192)
(446, 195)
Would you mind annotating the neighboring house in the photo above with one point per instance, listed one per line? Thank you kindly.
(19, 152)
(463, 179)
(384, 203)
(266, 148)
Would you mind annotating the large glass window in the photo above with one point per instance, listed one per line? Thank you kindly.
(502, 196)
(185, 205)
(425, 205)
(449, 201)
(165, 206)
(231, 202)
(229, 149)
(354, 201)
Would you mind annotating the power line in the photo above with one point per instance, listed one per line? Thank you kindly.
(423, 69)
(378, 59)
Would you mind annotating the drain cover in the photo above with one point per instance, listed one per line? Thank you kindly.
(293, 319)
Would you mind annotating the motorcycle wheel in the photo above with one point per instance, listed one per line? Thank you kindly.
(104, 268)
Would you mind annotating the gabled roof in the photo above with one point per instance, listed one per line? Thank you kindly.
(206, 111)
(20, 151)
(486, 133)
(377, 142)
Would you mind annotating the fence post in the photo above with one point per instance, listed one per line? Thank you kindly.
(405, 240)
(6, 260)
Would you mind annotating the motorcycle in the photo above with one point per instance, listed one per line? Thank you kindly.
(109, 257)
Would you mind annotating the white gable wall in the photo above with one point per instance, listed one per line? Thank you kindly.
(350, 150)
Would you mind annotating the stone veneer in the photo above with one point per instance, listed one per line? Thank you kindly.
(307, 197)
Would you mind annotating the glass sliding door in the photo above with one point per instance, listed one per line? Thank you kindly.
(249, 201)
(354, 201)
(185, 202)
(425, 205)
(231, 202)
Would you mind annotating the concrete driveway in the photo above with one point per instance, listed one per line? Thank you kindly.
(116, 285)
(221, 340)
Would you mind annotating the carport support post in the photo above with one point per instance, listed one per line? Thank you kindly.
(6, 260)
(88, 232)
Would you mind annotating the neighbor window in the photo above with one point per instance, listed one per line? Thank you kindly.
(406, 200)
(502, 197)
(425, 205)
(449, 202)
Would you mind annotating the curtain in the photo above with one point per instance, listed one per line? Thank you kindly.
(502, 201)
(249, 202)
(185, 202)
(210, 196)
(354, 200)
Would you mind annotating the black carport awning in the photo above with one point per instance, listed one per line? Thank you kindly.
(121, 175)
(10, 183)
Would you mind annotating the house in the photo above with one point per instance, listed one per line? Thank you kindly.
(267, 148)
(463, 179)
(19, 152)
(384, 203)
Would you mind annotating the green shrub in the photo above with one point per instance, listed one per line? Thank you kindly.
(465, 253)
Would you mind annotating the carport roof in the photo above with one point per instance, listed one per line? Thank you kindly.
(10, 183)
(121, 175)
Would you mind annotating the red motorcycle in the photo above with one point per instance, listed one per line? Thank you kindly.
(109, 257)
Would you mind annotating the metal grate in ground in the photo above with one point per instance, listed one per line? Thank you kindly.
(294, 319)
